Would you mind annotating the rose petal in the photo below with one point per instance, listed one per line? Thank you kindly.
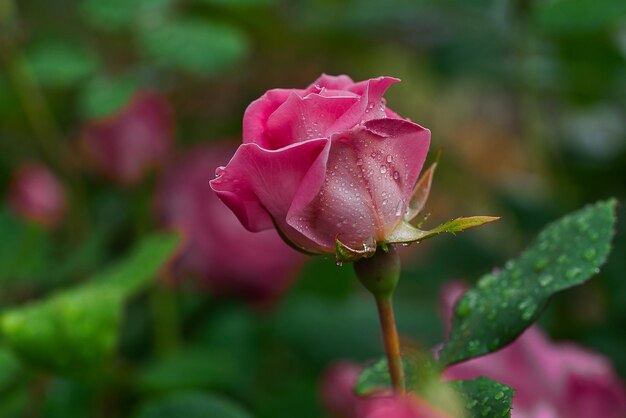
(370, 106)
(331, 82)
(258, 112)
(301, 118)
(259, 185)
(370, 173)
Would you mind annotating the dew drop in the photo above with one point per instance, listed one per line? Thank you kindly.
(359, 161)
(541, 263)
(385, 201)
(389, 158)
(383, 169)
(400, 208)
(499, 396)
(374, 154)
(590, 254)
(339, 263)
(396, 175)
(471, 404)
(545, 279)
(572, 273)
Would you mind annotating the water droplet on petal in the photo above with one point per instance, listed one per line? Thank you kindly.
(389, 158)
(359, 161)
(396, 175)
(383, 169)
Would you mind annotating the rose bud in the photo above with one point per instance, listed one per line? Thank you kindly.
(125, 145)
(556, 380)
(36, 194)
(330, 167)
(219, 252)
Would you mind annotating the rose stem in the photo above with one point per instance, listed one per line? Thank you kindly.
(379, 274)
(392, 342)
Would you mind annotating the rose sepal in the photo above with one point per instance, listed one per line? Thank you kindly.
(406, 233)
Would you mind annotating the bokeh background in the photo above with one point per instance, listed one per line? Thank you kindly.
(526, 98)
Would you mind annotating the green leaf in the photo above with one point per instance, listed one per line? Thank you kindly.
(24, 249)
(484, 397)
(506, 302)
(103, 96)
(74, 332)
(113, 15)
(579, 16)
(61, 63)
(192, 368)
(201, 47)
(192, 405)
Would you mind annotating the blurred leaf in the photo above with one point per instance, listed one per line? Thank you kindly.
(199, 46)
(237, 4)
(81, 260)
(61, 63)
(191, 368)
(325, 330)
(104, 96)
(75, 331)
(24, 249)
(118, 14)
(484, 397)
(576, 16)
(422, 377)
(192, 405)
(9, 367)
(506, 302)
(67, 398)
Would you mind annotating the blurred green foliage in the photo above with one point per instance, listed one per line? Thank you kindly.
(527, 98)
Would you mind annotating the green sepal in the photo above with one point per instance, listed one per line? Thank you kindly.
(406, 233)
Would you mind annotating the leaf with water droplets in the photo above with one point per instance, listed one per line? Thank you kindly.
(74, 332)
(407, 233)
(484, 397)
(507, 301)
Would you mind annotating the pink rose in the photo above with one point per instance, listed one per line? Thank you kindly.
(123, 146)
(339, 399)
(551, 380)
(324, 163)
(36, 194)
(219, 252)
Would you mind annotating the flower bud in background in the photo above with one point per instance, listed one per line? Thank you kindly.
(125, 145)
(551, 380)
(325, 163)
(37, 194)
(337, 389)
(224, 257)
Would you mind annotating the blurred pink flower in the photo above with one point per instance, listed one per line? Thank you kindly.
(36, 194)
(326, 162)
(340, 400)
(224, 257)
(126, 144)
(551, 380)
